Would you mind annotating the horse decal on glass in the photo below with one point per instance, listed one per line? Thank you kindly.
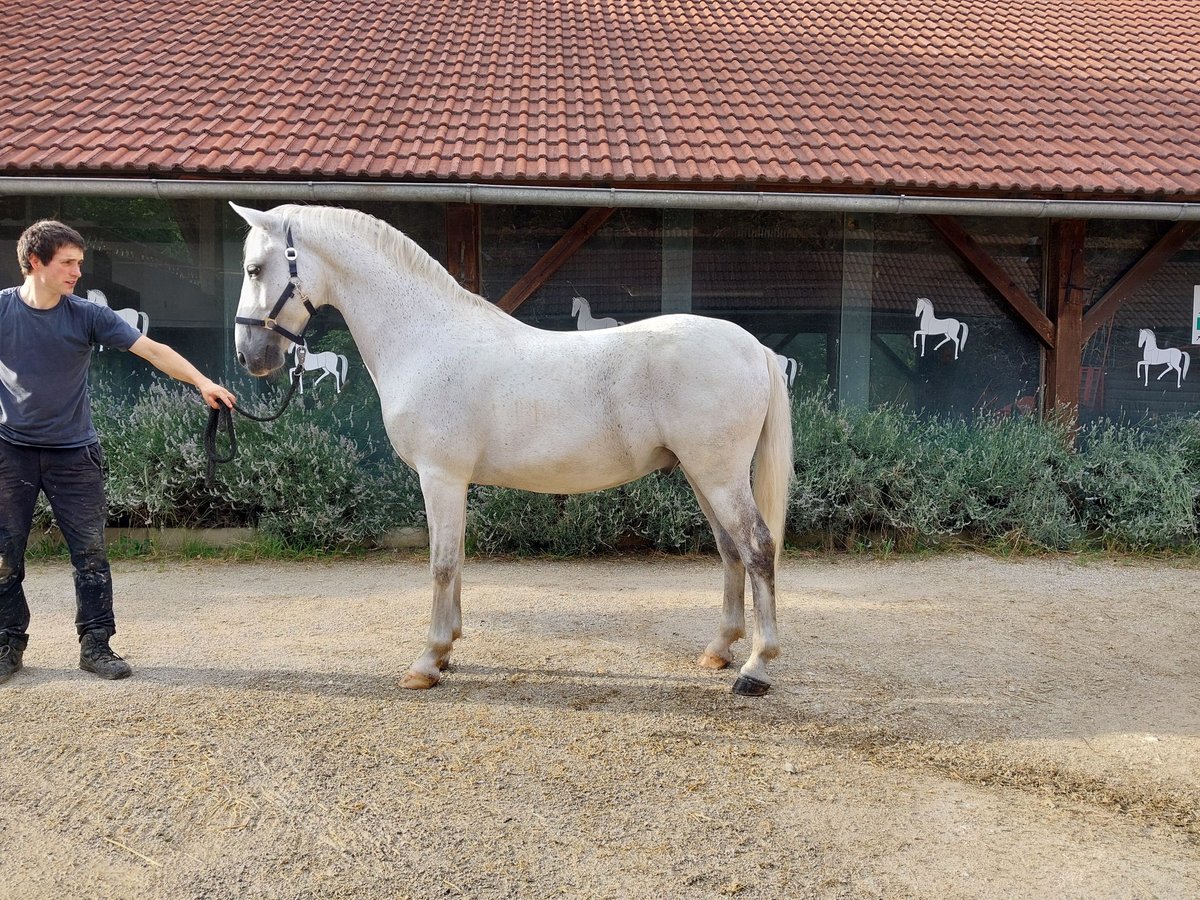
(789, 367)
(134, 317)
(472, 395)
(1175, 360)
(328, 362)
(949, 330)
(581, 310)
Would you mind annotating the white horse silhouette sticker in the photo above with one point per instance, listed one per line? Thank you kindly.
(582, 310)
(328, 362)
(1177, 360)
(134, 317)
(789, 367)
(949, 329)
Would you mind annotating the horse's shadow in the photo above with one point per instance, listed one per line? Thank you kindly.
(562, 688)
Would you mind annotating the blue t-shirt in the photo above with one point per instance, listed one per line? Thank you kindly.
(45, 355)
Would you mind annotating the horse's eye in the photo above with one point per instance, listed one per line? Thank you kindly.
(253, 271)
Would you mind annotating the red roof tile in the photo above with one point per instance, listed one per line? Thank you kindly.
(1065, 96)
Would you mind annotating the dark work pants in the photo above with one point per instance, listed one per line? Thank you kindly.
(73, 483)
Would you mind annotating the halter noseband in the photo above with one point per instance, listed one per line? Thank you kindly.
(292, 287)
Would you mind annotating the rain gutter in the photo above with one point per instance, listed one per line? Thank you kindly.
(750, 201)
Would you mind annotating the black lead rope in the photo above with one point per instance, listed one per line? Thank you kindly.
(220, 419)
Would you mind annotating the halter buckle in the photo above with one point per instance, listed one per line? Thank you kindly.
(290, 254)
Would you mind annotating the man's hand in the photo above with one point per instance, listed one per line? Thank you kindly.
(215, 395)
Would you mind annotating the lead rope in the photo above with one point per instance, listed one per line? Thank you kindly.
(219, 418)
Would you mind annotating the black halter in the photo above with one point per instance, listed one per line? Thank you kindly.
(220, 418)
(292, 288)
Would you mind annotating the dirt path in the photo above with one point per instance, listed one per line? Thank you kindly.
(953, 727)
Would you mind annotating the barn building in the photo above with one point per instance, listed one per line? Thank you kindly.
(976, 206)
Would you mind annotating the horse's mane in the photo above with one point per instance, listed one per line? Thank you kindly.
(389, 242)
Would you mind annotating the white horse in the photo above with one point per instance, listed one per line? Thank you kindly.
(328, 362)
(949, 329)
(1175, 359)
(134, 317)
(582, 310)
(472, 395)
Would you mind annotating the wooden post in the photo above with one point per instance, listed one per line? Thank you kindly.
(462, 245)
(1064, 306)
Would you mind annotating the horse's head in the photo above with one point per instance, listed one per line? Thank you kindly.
(922, 305)
(1144, 334)
(576, 305)
(273, 309)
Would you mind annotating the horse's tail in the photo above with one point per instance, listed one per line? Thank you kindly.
(773, 458)
(1187, 361)
(962, 341)
(143, 322)
(344, 365)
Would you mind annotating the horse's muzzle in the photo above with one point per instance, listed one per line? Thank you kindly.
(260, 352)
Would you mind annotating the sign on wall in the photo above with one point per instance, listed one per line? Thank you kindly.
(1196, 314)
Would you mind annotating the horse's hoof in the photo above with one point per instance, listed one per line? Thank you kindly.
(745, 686)
(417, 681)
(709, 660)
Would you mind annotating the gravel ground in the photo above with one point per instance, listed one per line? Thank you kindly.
(959, 726)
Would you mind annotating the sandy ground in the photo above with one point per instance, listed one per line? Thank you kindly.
(953, 727)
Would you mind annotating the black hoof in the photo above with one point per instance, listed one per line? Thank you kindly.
(745, 686)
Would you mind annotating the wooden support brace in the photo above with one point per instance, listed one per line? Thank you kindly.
(554, 259)
(976, 257)
(1106, 307)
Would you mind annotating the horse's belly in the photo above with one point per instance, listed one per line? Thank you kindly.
(555, 473)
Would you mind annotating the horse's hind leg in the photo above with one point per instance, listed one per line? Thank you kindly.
(734, 509)
(446, 511)
(718, 654)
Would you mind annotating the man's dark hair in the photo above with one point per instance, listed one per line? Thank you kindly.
(44, 239)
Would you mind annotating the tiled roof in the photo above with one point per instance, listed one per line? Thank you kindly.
(1058, 96)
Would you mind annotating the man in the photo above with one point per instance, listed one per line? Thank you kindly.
(48, 443)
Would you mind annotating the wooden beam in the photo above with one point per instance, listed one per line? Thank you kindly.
(1065, 297)
(977, 258)
(1141, 271)
(554, 259)
(462, 244)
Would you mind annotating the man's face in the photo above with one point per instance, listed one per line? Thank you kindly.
(61, 273)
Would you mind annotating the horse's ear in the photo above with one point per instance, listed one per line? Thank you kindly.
(254, 217)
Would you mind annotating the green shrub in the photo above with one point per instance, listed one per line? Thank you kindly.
(300, 484)
(883, 477)
(1138, 488)
(658, 511)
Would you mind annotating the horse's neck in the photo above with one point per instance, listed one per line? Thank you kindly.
(392, 312)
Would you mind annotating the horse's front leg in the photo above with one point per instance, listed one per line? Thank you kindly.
(446, 511)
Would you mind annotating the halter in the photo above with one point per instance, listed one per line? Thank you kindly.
(220, 417)
(293, 287)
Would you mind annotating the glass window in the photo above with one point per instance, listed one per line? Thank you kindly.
(942, 340)
(778, 275)
(617, 270)
(1138, 363)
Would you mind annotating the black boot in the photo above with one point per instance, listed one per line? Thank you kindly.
(97, 657)
(11, 651)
